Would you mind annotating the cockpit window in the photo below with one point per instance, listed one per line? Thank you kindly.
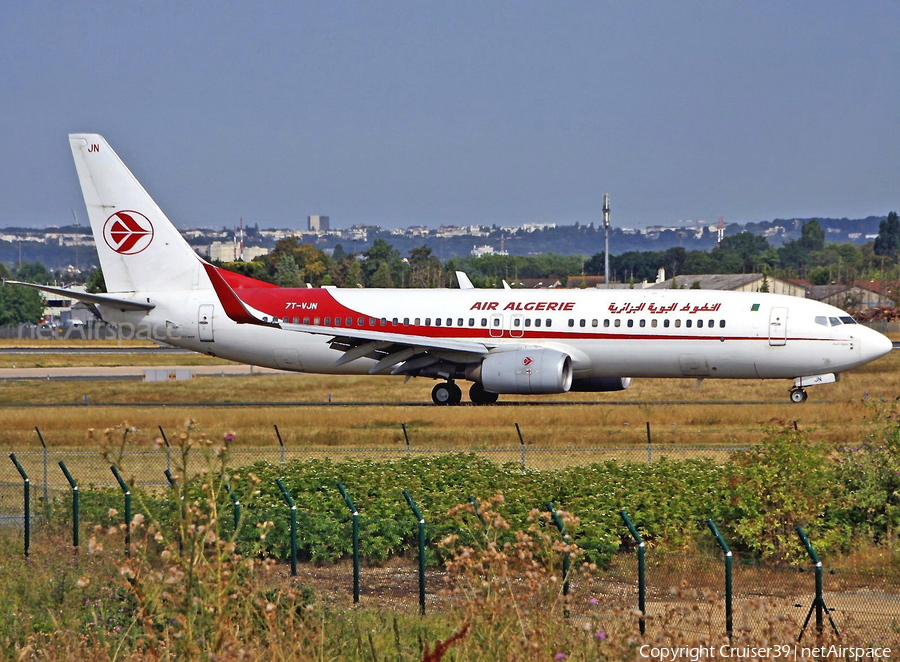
(821, 319)
(834, 321)
(848, 320)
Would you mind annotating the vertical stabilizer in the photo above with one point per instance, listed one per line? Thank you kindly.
(139, 248)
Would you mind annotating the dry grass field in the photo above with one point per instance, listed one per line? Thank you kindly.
(718, 412)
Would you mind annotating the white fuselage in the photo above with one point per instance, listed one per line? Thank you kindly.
(608, 333)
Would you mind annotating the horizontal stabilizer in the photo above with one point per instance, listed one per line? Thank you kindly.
(87, 297)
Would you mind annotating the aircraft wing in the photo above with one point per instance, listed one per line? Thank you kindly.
(87, 297)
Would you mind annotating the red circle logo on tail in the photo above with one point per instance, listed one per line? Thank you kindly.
(128, 232)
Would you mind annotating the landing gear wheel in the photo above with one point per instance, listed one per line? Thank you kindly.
(479, 396)
(798, 395)
(447, 393)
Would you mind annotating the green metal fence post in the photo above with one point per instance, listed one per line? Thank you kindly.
(355, 515)
(168, 448)
(280, 443)
(474, 503)
(562, 530)
(412, 505)
(819, 601)
(27, 489)
(642, 584)
(172, 485)
(521, 446)
(235, 508)
(44, 447)
(289, 501)
(729, 557)
(75, 513)
(127, 493)
(406, 436)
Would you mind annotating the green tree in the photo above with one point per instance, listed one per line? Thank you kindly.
(888, 240)
(20, 305)
(34, 272)
(287, 274)
(96, 284)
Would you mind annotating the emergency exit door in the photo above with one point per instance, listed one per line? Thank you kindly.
(778, 327)
(205, 323)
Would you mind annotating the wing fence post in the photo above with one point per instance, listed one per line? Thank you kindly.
(27, 496)
(355, 515)
(414, 508)
(729, 558)
(44, 446)
(280, 443)
(75, 513)
(642, 583)
(522, 446)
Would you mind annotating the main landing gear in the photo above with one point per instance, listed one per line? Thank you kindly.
(798, 395)
(448, 393)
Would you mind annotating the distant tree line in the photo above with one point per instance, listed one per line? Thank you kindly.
(294, 264)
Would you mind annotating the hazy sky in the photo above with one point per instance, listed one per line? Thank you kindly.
(404, 113)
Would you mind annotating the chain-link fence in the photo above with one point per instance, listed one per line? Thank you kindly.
(684, 592)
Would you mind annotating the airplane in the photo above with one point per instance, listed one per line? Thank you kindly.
(509, 341)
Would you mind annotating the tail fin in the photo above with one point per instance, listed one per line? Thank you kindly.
(139, 248)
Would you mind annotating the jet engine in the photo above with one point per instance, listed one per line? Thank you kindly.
(526, 371)
(600, 384)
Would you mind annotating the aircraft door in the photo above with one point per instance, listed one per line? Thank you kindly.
(205, 322)
(778, 327)
(516, 326)
(495, 326)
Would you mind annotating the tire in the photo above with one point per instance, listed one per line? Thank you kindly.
(446, 393)
(479, 396)
(798, 395)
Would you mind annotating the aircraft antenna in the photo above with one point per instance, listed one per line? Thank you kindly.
(606, 232)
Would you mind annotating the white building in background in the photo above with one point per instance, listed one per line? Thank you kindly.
(481, 251)
(319, 223)
(226, 251)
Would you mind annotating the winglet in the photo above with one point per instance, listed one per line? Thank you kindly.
(464, 282)
(233, 306)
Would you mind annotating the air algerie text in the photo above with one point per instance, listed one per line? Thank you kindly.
(531, 305)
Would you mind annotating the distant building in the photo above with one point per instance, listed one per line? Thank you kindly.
(319, 224)
(481, 251)
(226, 251)
(848, 297)
(733, 283)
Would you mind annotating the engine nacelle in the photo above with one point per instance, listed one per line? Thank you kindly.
(600, 384)
(527, 371)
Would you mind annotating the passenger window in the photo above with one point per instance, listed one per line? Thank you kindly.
(549, 323)
(618, 322)
(654, 322)
(337, 321)
(405, 321)
(484, 321)
(285, 320)
(711, 323)
(496, 321)
(688, 323)
(459, 322)
(417, 321)
(571, 322)
(437, 321)
(471, 321)
(606, 324)
(527, 322)
(327, 321)
(306, 320)
(516, 322)
(384, 321)
(316, 321)
(372, 321)
(643, 323)
(594, 323)
(427, 321)
(666, 323)
(296, 320)
(449, 321)
(537, 322)
(395, 321)
(677, 324)
(582, 324)
(699, 324)
(630, 323)
(721, 324)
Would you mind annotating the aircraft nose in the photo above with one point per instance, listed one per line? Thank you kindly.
(875, 345)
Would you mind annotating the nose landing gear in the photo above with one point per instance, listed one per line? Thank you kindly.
(798, 395)
(446, 393)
